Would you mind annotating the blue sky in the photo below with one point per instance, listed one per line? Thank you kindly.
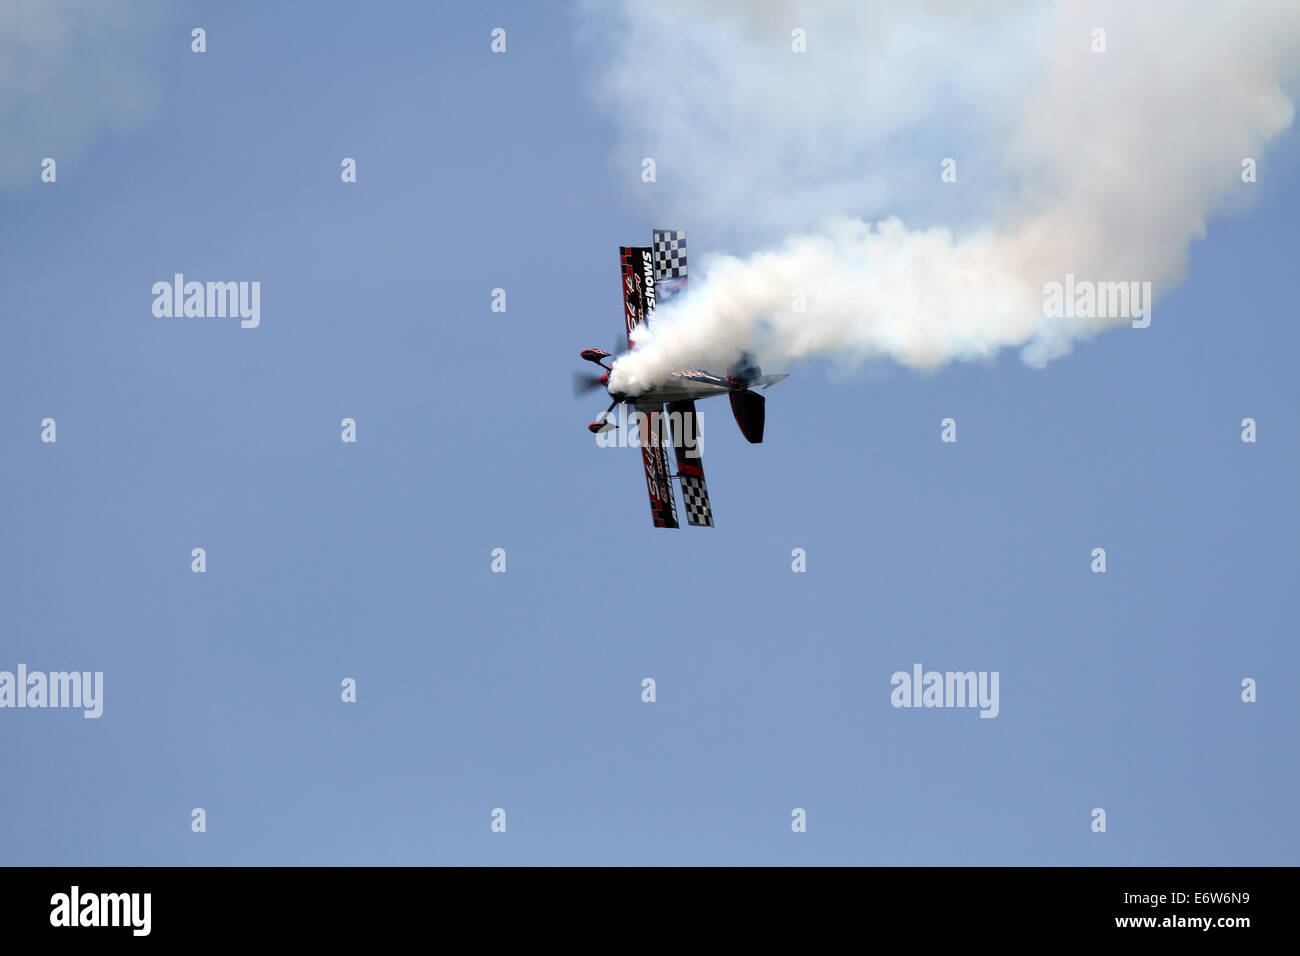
(523, 690)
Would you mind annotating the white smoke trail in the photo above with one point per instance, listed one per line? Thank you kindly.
(1101, 164)
(70, 69)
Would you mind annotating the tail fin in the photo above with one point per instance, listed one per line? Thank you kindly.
(750, 410)
(746, 369)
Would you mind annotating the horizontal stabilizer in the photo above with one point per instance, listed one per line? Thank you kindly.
(763, 381)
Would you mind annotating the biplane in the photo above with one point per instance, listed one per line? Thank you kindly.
(653, 275)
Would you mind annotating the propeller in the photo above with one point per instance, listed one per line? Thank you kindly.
(584, 382)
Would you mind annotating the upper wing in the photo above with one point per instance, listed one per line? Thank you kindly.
(651, 274)
(637, 263)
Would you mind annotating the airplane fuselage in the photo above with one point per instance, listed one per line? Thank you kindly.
(688, 384)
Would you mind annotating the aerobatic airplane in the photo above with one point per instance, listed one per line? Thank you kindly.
(654, 274)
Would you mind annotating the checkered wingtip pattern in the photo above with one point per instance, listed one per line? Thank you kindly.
(696, 496)
(670, 253)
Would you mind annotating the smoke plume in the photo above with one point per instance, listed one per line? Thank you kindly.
(1089, 139)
